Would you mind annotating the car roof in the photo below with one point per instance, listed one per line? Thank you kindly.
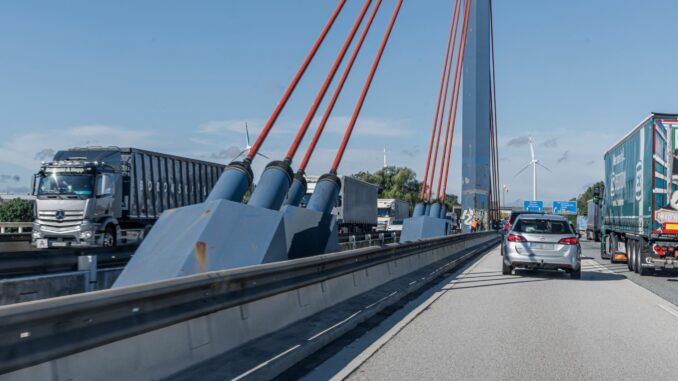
(552, 217)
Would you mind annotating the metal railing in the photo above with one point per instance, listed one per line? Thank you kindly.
(15, 231)
(32, 333)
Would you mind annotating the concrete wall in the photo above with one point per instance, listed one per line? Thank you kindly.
(26, 289)
(166, 351)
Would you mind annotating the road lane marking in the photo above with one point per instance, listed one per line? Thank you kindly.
(265, 363)
(670, 310)
(381, 300)
(333, 327)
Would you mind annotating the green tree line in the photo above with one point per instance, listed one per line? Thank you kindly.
(400, 183)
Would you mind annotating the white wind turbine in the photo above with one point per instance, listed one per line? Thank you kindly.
(248, 146)
(534, 163)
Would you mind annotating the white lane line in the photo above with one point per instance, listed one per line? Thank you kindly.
(333, 327)
(381, 300)
(668, 309)
(265, 363)
(362, 357)
(413, 282)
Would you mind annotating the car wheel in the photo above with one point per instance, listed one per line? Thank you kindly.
(505, 269)
(576, 274)
(108, 239)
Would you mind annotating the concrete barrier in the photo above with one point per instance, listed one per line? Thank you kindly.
(249, 304)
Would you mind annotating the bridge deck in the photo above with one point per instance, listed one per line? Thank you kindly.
(483, 325)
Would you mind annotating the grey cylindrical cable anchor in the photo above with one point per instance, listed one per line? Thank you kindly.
(435, 210)
(443, 211)
(272, 186)
(419, 210)
(297, 190)
(427, 209)
(233, 182)
(325, 194)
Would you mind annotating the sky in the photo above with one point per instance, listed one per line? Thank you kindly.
(185, 77)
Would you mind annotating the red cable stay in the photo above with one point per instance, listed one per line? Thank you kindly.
(356, 112)
(321, 93)
(271, 120)
(337, 91)
(443, 85)
(494, 119)
(442, 114)
(451, 121)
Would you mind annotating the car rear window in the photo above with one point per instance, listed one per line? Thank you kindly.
(539, 226)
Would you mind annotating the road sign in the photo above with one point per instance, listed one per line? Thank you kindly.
(534, 206)
(564, 207)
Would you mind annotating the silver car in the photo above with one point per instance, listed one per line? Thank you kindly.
(542, 242)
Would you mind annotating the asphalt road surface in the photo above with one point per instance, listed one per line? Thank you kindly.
(482, 325)
(662, 283)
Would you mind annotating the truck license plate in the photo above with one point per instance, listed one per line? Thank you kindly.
(41, 243)
(59, 244)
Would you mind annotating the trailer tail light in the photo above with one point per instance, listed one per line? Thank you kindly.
(516, 238)
(670, 227)
(568, 241)
(660, 250)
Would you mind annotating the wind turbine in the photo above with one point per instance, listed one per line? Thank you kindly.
(534, 163)
(248, 146)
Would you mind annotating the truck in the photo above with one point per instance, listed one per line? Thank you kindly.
(105, 196)
(581, 225)
(356, 206)
(593, 220)
(640, 203)
(390, 214)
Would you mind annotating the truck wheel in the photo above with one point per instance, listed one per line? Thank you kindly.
(108, 239)
(631, 256)
(505, 270)
(576, 274)
(642, 271)
(606, 247)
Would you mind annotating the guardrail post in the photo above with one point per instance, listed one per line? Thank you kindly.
(381, 238)
(351, 239)
(2, 230)
(88, 264)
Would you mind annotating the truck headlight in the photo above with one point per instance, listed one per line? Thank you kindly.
(86, 234)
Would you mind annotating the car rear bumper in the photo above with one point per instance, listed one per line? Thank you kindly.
(568, 262)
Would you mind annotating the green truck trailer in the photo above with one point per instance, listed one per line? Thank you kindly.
(640, 206)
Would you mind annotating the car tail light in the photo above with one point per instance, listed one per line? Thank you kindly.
(568, 241)
(516, 238)
(507, 226)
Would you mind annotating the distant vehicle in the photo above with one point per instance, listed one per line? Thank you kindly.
(356, 206)
(515, 214)
(640, 204)
(581, 225)
(390, 214)
(103, 196)
(594, 220)
(542, 242)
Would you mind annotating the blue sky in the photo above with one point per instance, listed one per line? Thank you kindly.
(184, 77)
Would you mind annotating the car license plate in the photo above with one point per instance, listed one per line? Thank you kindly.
(59, 244)
(542, 246)
(41, 243)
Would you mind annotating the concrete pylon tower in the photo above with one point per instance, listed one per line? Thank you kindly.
(475, 161)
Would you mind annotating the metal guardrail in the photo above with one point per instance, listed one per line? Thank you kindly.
(32, 333)
(50, 261)
(15, 231)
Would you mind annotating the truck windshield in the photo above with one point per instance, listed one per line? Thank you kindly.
(383, 212)
(56, 183)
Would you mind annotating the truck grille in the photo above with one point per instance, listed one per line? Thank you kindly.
(70, 221)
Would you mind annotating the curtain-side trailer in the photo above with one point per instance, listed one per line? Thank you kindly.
(640, 208)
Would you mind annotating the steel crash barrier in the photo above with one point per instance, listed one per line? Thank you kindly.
(158, 329)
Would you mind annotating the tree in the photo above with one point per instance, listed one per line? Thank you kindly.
(597, 189)
(16, 210)
(400, 183)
